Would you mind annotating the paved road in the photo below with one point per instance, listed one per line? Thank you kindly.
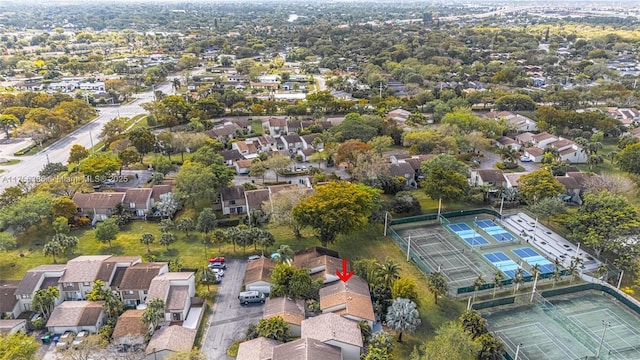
(230, 320)
(85, 136)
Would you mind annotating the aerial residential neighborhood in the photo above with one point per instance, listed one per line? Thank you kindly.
(319, 180)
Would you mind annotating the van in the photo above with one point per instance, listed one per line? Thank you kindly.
(247, 297)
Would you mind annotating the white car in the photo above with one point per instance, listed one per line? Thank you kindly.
(218, 271)
(525, 159)
(254, 257)
(80, 338)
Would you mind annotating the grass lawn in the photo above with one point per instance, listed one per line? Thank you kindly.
(10, 162)
(256, 126)
(431, 206)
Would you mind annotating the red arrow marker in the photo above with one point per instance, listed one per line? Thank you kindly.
(344, 276)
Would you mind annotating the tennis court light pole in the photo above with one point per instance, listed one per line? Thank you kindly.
(606, 324)
(517, 352)
(386, 214)
(535, 227)
(439, 206)
(408, 248)
(533, 291)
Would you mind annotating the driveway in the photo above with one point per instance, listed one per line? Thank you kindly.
(229, 321)
(489, 159)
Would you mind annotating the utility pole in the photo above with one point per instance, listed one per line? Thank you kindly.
(380, 89)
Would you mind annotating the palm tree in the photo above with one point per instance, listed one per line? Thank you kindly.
(507, 154)
(573, 270)
(175, 84)
(473, 323)
(555, 276)
(437, 284)
(388, 272)
(603, 271)
(497, 282)
(535, 270)
(147, 239)
(518, 279)
(44, 300)
(594, 159)
(612, 156)
(477, 283)
(153, 314)
(403, 316)
(492, 347)
(285, 254)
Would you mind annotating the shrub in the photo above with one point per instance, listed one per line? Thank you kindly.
(227, 222)
(83, 221)
(506, 165)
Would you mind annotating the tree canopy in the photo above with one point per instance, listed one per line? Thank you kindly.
(603, 220)
(539, 184)
(445, 178)
(336, 208)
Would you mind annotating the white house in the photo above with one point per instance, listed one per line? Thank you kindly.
(176, 290)
(35, 279)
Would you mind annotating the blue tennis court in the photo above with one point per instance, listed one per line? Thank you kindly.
(470, 236)
(504, 264)
(459, 227)
(485, 223)
(532, 258)
(496, 231)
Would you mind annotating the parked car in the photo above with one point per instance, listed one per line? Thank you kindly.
(217, 265)
(525, 159)
(82, 335)
(254, 257)
(217, 259)
(218, 271)
(248, 297)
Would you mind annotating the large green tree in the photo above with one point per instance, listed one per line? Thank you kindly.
(603, 220)
(100, 166)
(18, 346)
(629, 158)
(143, 140)
(336, 208)
(199, 185)
(107, 231)
(445, 178)
(30, 210)
(452, 342)
(539, 184)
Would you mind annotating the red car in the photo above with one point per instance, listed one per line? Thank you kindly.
(217, 259)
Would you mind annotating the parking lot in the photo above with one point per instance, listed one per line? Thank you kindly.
(229, 321)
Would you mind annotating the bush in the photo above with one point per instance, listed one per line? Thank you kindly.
(83, 221)
(233, 349)
(506, 165)
(227, 222)
(39, 323)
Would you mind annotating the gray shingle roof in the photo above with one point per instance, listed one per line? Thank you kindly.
(331, 326)
(31, 279)
(83, 268)
(306, 349)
